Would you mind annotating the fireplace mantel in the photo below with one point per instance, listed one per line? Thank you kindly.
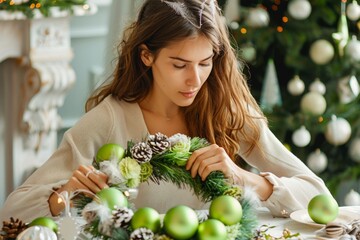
(35, 76)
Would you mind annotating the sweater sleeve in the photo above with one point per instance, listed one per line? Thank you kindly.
(78, 146)
(294, 184)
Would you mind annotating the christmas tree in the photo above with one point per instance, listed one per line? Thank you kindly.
(311, 99)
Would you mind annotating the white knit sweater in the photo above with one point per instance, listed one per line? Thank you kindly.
(114, 121)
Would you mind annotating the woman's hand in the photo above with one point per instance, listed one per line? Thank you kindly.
(211, 158)
(85, 178)
(214, 158)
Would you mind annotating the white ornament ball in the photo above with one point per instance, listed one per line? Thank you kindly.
(317, 86)
(296, 86)
(37, 233)
(321, 51)
(313, 103)
(354, 150)
(301, 137)
(234, 25)
(337, 131)
(353, 49)
(317, 161)
(353, 11)
(352, 198)
(248, 53)
(299, 9)
(257, 17)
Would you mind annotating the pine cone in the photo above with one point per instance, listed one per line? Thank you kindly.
(122, 217)
(142, 234)
(159, 143)
(141, 152)
(12, 229)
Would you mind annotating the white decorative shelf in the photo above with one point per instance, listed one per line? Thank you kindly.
(35, 76)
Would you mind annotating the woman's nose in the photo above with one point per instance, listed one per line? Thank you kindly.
(193, 78)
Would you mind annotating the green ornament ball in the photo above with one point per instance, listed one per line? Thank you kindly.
(226, 209)
(323, 208)
(211, 229)
(112, 197)
(181, 222)
(45, 222)
(146, 217)
(110, 151)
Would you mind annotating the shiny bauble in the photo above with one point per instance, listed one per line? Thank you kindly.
(321, 51)
(353, 11)
(226, 209)
(317, 161)
(248, 52)
(181, 222)
(354, 150)
(296, 86)
(146, 217)
(352, 49)
(299, 9)
(45, 222)
(37, 233)
(212, 229)
(313, 103)
(257, 17)
(301, 137)
(110, 151)
(337, 131)
(323, 208)
(112, 197)
(317, 86)
(352, 198)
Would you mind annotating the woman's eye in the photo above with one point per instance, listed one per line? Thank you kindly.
(205, 64)
(179, 66)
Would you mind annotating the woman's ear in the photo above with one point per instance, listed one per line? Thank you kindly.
(146, 55)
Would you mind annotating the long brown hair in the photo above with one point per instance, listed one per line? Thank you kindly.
(221, 110)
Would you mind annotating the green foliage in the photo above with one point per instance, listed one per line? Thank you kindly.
(290, 51)
(27, 8)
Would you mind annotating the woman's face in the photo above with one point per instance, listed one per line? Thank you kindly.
(180, 69)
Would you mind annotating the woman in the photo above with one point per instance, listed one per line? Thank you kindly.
(176, 73)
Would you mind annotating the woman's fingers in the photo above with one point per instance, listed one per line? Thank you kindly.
(86, 181)
(97, 177)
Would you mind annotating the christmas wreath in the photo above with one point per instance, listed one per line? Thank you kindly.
(109, 215)
(159, 158)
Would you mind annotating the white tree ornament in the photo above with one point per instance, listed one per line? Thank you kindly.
(299, 9)
(348, 89)
(354, 149)
(321, 51)
(352, 49)
(296, 86)
(317, 161)
(352, 198)
(337, 131)
(257, 17)
(301, 137)
(313, 103)
(317, 86)
(353, 11)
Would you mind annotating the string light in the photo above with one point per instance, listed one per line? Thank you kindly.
(243, 30)
(320, 119)
(32, 6)
(285, 19)
(279, 29)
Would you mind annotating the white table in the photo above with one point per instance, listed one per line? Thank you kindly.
(306, 231)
